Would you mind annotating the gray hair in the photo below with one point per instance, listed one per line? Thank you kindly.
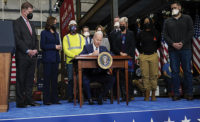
(123, 19)
(98, 33)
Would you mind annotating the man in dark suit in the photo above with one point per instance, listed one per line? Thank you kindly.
(98, 75)
(26, 51)
(86, 34)
(114, 32)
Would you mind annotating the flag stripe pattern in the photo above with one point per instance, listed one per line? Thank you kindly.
(196, 44)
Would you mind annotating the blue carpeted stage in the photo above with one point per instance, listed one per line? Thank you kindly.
(163, 110)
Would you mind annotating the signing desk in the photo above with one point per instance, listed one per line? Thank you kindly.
(81, 62)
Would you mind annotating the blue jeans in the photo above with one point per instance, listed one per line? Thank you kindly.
(184, 58)
(70, 81)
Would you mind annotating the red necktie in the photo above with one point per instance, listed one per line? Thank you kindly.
(29, 27)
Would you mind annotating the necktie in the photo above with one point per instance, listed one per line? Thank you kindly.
(29, 27)
(86, 39)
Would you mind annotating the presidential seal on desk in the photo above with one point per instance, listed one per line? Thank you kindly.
(105, 60)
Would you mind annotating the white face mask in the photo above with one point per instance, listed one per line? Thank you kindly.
(175, 12)
(116, 24)
(86, 34)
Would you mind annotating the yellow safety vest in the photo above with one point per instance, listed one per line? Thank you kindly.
(72, 46)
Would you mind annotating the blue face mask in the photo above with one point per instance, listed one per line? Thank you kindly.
(73, 29)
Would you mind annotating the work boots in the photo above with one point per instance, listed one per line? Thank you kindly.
(153, 95)
(147, 94)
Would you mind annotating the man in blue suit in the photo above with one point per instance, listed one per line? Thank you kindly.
(86, 34)
(98, 75)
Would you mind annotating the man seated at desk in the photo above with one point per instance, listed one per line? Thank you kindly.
(99, 75)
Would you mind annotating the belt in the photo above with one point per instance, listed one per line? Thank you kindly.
(148, 53)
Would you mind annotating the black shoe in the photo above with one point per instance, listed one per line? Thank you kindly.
(47, 103)
(21, 106)
(33, 104)
(176, 98)
(189, 98)
(90, 102)
(57, 103)
(100, 101)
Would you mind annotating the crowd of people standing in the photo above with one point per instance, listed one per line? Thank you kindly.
(178, 32)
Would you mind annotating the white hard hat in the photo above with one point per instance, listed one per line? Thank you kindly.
(72, 22)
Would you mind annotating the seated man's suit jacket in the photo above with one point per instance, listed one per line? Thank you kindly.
(89, 49)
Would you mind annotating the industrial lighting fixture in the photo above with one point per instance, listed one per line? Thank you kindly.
(57, 4)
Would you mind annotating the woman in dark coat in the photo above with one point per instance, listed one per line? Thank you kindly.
(50, 46)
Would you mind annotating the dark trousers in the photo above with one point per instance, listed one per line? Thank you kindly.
(184, 58)
(50, 91)
(24, 80)
(169, 84)
(70, 81)
(105, 79)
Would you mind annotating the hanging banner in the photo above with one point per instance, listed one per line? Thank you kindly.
(66, 14)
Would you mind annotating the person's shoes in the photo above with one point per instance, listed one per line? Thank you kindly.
(147, 94)
(21, 106)
(90, 102)
(176, 98)
(47, 103)
(189, 98)
(153, 96)
(33, 104)
(57, 103)
(100, 101)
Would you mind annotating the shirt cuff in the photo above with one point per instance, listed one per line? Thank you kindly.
(27, 51)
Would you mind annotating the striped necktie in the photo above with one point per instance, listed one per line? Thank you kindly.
(29, 27)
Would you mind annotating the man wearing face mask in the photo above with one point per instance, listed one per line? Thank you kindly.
(116, 29)
(73, 44)
(148, 41)
(124, 45)
(26, 51)
(86, 34)
(178, 33)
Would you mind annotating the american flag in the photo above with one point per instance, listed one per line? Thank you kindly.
(196, 44)
(164, 49)
(159, 63)
(136, 50)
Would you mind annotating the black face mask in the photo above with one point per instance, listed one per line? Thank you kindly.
(30, 16)
(147, 26)
(122, 28)
(53, 27)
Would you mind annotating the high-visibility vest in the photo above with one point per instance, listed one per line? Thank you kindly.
(76, 47)
(72, 46)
